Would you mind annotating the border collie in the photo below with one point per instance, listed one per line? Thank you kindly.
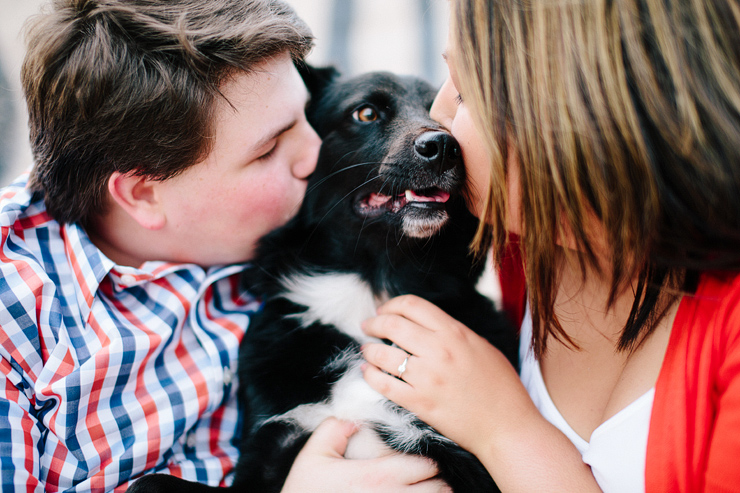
(384, 215)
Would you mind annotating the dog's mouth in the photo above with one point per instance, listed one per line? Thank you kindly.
(423, 212)
(376, 204)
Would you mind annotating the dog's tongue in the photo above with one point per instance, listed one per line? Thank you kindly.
(377, 201)
(436, 196)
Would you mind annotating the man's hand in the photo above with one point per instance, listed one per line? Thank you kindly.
(321, 467)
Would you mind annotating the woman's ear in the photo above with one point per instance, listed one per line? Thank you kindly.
(137, 196)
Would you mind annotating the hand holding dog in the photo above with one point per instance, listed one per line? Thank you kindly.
(467, 390)
(321, 467)
(454, 381)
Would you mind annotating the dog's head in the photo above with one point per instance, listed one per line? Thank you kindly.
(385, 165)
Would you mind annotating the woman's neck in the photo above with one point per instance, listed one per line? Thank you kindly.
(582, 302)
(594, 381)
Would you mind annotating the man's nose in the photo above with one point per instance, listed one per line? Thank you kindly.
(310, 153)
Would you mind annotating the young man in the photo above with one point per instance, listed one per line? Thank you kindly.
(168, 137)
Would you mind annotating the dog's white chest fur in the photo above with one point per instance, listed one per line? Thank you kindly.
(342, 300)
(345, 301)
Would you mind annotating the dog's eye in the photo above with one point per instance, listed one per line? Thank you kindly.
(365, 114)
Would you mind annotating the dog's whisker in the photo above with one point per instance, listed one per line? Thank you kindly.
(335, 173)
(359, 235)
(336, 204)
(385, 182)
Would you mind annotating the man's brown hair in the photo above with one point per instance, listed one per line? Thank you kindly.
(131, 86)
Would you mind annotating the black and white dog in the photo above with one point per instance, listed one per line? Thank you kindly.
(384, 215)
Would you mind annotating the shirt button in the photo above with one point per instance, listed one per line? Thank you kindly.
(191, 441)
(128, 280)
(228, 375)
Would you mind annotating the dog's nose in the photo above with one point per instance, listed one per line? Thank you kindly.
(439, 149)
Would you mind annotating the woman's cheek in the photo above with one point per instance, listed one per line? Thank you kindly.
(477, 164)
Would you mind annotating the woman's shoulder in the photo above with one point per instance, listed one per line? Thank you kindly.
(710, 316)
(697, 396)
(718, 293)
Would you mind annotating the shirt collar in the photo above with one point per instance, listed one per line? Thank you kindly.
(91, 266)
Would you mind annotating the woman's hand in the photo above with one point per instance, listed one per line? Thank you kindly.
(457, 382)
(454, 379)
(321, 467)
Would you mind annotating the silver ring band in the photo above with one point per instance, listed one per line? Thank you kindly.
(402, 367)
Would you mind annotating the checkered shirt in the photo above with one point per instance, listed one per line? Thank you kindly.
(108, 372)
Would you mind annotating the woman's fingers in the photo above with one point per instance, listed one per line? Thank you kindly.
(392, 360)
(412, 322)
(418, 327)
(403, 332)
(388, 385)
(417, 310)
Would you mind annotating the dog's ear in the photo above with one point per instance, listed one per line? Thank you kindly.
(317, 79)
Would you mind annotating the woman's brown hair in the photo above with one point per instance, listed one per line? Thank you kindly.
(131, 86)
(623, 110)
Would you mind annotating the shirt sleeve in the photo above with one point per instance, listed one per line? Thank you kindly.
(722, 473)
(28, 302)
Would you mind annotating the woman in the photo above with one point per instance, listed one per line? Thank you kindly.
(602, 143)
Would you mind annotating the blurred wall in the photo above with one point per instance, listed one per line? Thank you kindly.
(403, 36)
(15, 153)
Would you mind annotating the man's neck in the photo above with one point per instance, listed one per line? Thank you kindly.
(122, 240)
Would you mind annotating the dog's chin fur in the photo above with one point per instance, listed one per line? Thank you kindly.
(425, 227)
(327, 270)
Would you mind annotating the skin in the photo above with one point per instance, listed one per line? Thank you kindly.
(461, 385)
(263, 153)
(253, 181)
(451, 111)
(321, 467)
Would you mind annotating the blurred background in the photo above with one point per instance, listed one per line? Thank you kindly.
(402, 36)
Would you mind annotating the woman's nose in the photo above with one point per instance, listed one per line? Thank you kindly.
(444, 106)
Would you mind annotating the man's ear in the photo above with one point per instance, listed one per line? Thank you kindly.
(137, 196)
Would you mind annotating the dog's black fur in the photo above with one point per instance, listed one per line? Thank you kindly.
(361, 232)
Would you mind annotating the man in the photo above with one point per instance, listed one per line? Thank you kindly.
(168, 137)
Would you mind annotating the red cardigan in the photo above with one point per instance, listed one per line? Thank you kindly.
(694, 438)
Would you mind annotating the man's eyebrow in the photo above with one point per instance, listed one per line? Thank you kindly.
(274, 135)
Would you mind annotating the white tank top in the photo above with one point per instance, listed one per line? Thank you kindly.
(616, 450)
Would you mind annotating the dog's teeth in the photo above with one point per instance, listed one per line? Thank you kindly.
(409, 196)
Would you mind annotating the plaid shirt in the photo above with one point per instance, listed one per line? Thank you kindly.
(106, 371)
